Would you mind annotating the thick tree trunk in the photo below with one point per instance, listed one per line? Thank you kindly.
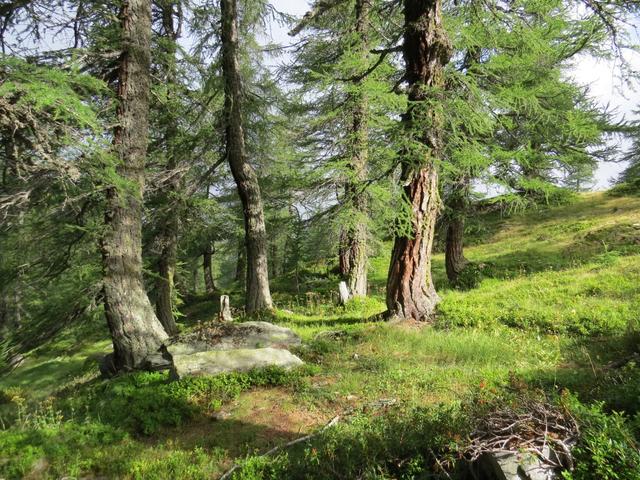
(207, 268)
(410, 290)
(168, 238)
(258, 296)
(135, 329)
(353, 238)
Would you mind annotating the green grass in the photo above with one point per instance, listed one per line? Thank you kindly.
(557, 299)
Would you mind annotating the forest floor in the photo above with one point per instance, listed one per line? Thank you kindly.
(557, 296)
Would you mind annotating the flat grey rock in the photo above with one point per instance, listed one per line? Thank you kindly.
(229, 336)
(214, 362)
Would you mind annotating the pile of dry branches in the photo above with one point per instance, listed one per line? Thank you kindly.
(540, 428)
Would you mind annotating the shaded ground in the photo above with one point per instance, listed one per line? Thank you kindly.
(566, 278)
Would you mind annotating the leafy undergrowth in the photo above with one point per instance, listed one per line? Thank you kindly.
(433, 442)
(556, 300)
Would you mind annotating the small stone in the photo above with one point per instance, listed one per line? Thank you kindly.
(330, 335)
(220, 416)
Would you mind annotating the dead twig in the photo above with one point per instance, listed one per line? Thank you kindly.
(277, 448)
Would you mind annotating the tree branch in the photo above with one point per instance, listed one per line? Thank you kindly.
(318, 9)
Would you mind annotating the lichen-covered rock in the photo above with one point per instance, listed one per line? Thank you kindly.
(213, 362)
(228, 336)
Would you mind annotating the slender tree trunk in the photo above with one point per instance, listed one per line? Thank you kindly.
(258, 296)
(135, 329)
(194, 278)
(455, 262)
(454, 252)
(273, 258)
(353, 238)
(207, 268)
(410, 290)
(165, 286)
(168, 238)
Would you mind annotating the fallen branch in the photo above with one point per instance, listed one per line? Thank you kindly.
(277, 448)
(382, 403)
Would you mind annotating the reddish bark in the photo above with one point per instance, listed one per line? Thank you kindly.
(410, 290)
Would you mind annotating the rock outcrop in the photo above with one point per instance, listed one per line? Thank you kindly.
(226, 347)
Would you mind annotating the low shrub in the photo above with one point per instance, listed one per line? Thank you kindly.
(399, 444)
(145, 402)
(470, 277)
(606, 449)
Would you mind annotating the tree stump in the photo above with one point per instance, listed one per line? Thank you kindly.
(344, 292)
(225, 309)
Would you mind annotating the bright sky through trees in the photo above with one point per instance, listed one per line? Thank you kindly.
(602, 76)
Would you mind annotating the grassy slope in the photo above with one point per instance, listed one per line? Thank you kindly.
(566, 277)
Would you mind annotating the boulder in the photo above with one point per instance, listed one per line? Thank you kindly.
(213, 362)
(513, 466)
(229, 336)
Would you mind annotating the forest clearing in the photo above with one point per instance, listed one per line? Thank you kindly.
(377, 249)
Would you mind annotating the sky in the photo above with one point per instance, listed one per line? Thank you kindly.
(601, 76)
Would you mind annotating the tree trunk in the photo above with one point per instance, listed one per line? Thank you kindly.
(209, 285)
(165, 288)
(258, 296)
(273, 258)
(353, 238)
(194, 277)
(454, 253)
(168, 238)
(241, 263)
(135, 329)
(410, 290)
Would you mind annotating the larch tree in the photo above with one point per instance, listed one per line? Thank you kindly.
(345, 85)
(513, 117)
(258, 294)
(135, 330)
(172, 189)
(629, 179)
(426, 50)
(353, 239)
